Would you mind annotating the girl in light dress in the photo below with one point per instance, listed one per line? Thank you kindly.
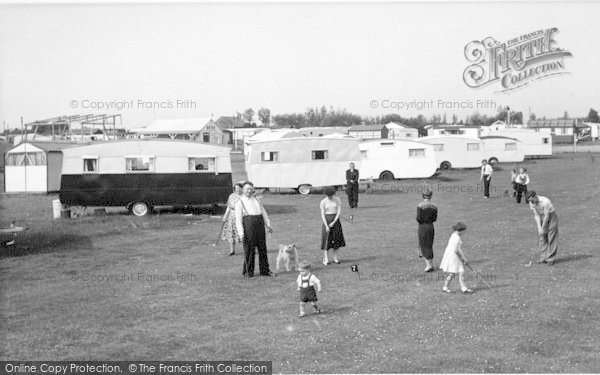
(454, 259)
(229, 233)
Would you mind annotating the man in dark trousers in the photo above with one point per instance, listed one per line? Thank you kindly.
(486, 177)
(352, 186)
(250, 220)
(547, 225)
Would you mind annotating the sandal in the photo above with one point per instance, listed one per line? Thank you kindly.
(336, 261)
(325, 262)
(467, 291)
(446, 290)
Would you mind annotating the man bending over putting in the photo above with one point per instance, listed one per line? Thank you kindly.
(547, 223)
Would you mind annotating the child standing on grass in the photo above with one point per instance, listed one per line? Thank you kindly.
(513, 182)
(454, 259)
(306, 286)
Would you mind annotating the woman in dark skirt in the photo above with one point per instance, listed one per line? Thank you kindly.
(332, 236)
(426, 216)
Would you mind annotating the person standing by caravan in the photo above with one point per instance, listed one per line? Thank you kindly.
(547, 224)
(352, 186)
(251, 219)
(229, 233)
(521, 182)
(426, 216)
(486, 177)
(332, 236)
(513, 177)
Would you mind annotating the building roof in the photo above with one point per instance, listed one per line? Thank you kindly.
(171, 126)
(393, 125)
(49, 146)
(555, 123)
(453, 126)
(361, 128)
(228, 122)
(498, 136)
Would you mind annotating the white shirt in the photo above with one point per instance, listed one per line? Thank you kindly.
(248, 206)
(522, 179)
(312, 281)
(544, 205)
(486, 169)
(331, 206)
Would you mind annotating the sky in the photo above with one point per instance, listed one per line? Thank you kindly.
(147, 61)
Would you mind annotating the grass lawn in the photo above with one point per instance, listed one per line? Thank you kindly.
(57, 301)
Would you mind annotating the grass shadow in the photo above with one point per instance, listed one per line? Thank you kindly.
(335, 310)
(43, 243)
(273, 209)
(571, 258)
(442, 178)
(350, 260)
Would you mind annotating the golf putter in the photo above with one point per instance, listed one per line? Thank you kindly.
(480, 278)
(533, 253)
(219, 236)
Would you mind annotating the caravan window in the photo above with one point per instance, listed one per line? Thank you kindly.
(90, 165)
(30, 158)
(387, 143)
(416, 152)
(139, 164)
(438, 147)
(363, 154)
(319, 155)
(408, 135)
(563, 131)
(201, 164)
(510, 146)
(472, 146)
(269, 156)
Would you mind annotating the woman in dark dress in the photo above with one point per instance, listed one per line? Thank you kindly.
(426, 216)
(332, 236)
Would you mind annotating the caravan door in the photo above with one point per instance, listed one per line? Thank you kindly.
(474, 153)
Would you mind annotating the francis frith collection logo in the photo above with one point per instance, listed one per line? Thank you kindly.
(516, 62)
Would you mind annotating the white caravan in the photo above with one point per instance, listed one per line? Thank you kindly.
(300, 162)
(535, 143)
(456, 151)
(503, 149)
(387, 159)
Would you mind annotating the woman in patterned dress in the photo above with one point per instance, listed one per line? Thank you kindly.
(332, 236)
(229, 232)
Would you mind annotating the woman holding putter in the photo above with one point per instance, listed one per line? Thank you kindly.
(454, 259)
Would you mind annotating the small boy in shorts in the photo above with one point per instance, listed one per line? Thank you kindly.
(306, 285)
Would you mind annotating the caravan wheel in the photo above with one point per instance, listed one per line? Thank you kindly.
(493, 161)
(139, 209)
(386, 176)
(445, 165)
(304, 189)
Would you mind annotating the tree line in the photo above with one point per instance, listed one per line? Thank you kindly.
(331, 117)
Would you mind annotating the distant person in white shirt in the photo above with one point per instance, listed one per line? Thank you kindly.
(486, 177)
(521, 182)
(251, 219)
(547, 223)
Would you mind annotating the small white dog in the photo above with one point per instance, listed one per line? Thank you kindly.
(289, 255)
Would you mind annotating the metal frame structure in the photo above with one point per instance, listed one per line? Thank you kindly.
(61, 126)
